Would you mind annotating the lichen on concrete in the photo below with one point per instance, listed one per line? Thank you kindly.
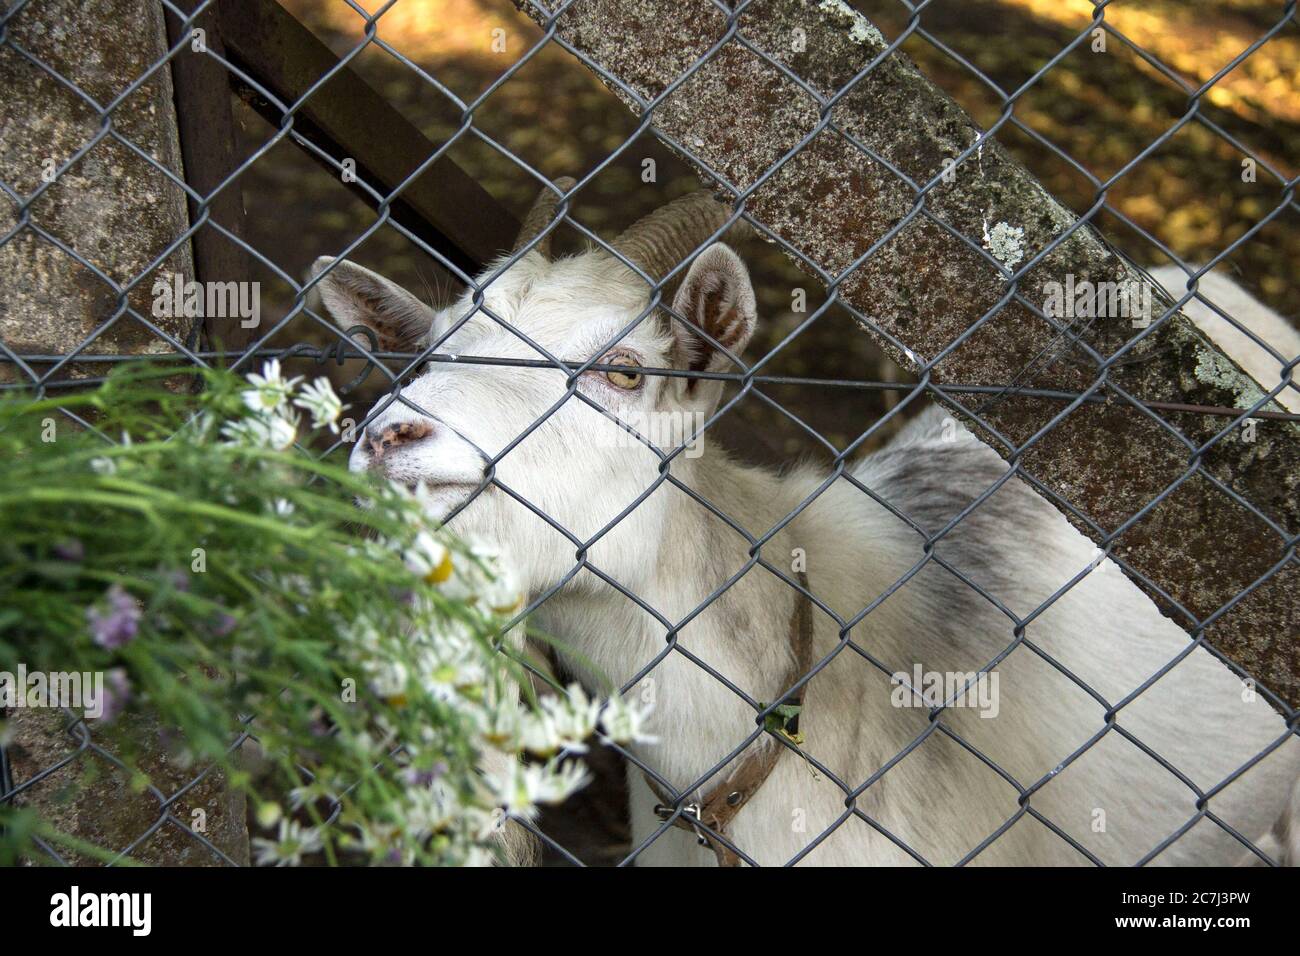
(1005, 243)
(1213, 370)
(861, 30)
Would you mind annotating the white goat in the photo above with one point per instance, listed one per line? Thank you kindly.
(939, 800)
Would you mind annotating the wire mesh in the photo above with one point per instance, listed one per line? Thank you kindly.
(42, 373)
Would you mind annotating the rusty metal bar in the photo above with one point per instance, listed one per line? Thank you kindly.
(208, 137)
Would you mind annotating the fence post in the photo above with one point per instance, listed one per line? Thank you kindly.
(108, 210)
(931, 293)
(208, 139)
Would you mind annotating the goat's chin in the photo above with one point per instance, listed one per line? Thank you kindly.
(440, 499)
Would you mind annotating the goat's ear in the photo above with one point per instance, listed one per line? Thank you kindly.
(717, 297)
(357, 296)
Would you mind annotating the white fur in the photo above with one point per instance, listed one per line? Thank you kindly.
(1266, 324)
(941, 800)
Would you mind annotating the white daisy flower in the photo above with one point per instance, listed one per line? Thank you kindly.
(539, 735)
(624, 723)
(428, 810)
(388, 680)
(526, 785)
(270, 390)
(282, 432)
(287, 850)
(503, 593)
(319, 400)
(262, 431)
(428, 558)
(574, 717)
(503, 725)
(563, 781)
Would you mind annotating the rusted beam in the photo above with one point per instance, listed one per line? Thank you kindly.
(206, 126)
(926, 288)
(347, 119)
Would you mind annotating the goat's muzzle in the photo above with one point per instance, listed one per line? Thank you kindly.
(380, 440)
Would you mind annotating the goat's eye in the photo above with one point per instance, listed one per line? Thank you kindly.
(627, 380)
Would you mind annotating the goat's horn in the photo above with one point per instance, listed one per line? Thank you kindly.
(540, 216)
(658, 242)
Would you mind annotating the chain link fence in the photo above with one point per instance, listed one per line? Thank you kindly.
(399, 208)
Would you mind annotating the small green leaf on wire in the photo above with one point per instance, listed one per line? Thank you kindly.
(783, 720)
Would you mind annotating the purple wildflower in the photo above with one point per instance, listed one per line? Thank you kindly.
(117, 692)
(224, 624)
(179, 580)
(118, 625)
(425, 778)
(70, 549)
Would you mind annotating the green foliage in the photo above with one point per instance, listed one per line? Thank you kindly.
(211, 576)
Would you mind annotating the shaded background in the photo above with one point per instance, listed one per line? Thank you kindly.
(1102, 109)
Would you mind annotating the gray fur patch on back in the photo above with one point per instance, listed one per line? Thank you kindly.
(932, 480)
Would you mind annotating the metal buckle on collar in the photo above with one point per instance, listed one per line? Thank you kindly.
(664, 812)
(690, 818)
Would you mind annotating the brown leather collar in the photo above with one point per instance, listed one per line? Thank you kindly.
(720, 806)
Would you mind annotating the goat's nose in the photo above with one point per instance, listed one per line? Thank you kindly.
(380, 439)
